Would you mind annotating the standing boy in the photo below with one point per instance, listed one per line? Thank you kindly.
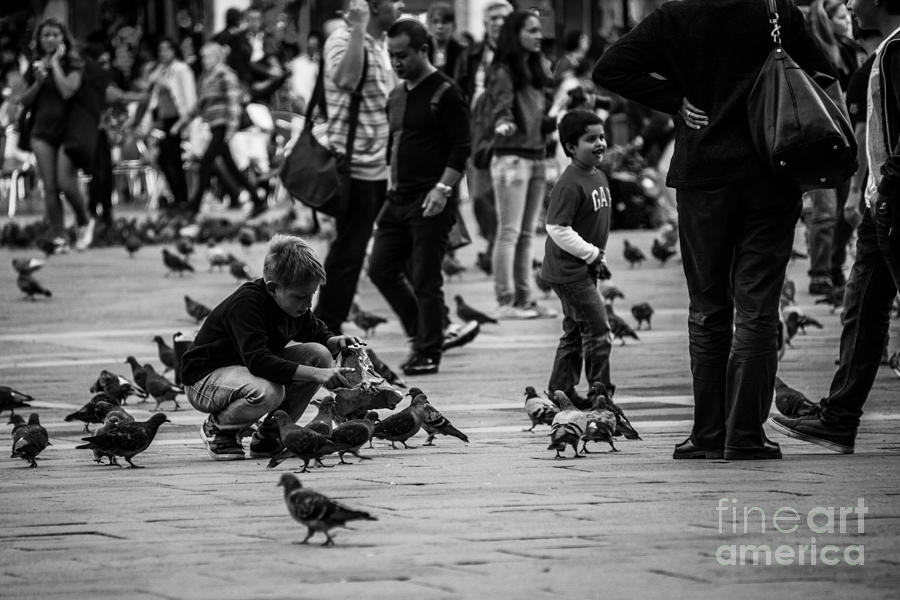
(577, 231)
(240, 367)
(429, 145)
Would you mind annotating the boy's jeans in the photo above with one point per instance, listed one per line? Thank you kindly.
(585, 337)
(519, 187)
(236, 399)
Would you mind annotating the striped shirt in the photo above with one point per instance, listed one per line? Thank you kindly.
(219, 101)
(370, 144)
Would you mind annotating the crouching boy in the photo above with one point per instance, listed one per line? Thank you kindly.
(240, 367)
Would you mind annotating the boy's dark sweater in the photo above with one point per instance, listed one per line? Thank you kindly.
(249, 329)
(710, 52)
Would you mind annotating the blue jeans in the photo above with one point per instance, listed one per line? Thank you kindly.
(585, 337)
(871, 288)
(237, 399)
(519, 187)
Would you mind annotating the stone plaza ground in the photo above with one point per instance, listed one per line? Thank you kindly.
(497, 518)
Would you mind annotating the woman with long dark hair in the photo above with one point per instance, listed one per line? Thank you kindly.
(517, 86)
(173, 94)
(55, 76)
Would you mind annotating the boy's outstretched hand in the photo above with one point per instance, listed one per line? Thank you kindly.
(338, 343)
(332, 377)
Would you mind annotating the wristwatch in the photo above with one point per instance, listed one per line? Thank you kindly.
(443, 188)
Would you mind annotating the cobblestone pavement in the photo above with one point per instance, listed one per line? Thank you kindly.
(496, 518)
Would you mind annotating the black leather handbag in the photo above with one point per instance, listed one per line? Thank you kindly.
(313, 174)
(798, 122)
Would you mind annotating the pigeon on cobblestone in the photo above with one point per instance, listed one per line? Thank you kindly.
(353, 434)
(11, 399)
(796, 320)
(568, 426)
(790, 402)
(185, 248)
(239, 270)
(27, 266)
(161, 388)
(127, 440)
(633, 254)
(114, 418)
(642, 312)
(175, 264)
(539, 409)
(116, 386)
(317, 511)
(610, 293)
(322, 422)
(365, 320)
(302, 442)
(435, 423)
(30, 286)
(166, 354)
(601, 398)
(835, 298)
(384, 370)
(137, 372)
(94, 411)
(217, 257)
(661, 252)
(601, 421)
(132, 244)
(483, 262)
(403, 425)
(195, 310)
(28, 439)
(788, 293)
(466, 313)
(618, 327)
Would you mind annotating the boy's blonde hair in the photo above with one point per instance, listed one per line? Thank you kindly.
(291, 261)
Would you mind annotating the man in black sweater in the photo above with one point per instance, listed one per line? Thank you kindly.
(239, 367)
(699, 59)
(428, 145)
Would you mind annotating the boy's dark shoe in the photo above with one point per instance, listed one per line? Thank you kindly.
(421, 365)
(810, 428)
(688, 450)
(457, 336)
(769, 451)
(220, 444)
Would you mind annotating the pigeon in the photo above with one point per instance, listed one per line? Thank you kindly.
(127, 440)
(451, 266)
(27, 266)
(610, 293)
(353, 434)
(94, 411)
(166, 354)
(137, 372)
(28, 439)
(217, 258)
(661, 252)
(483, 261)
(30, 286)
(541, 283)
(539, 410)
(795, 320)
(601, 398)
(467, 313)
(317, 511)
(322, 422)
(175, 264)
(601, 427)
(185, 247)
(246, 237)
(46, 246)
(116, 386)
(11, 399)
(790, 402)
(132, 244)
(788, 293)
(385, 371)
(642, 312)
(403, 425)
(355, 402)
(435, 423)
(239, 270)
(114, 418)
(619, 328)
(633, 254)
(364, 319)
(161, 388)
(567, 427)
(302, 442)
(195, 310)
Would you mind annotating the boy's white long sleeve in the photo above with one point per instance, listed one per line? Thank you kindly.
(568, 239)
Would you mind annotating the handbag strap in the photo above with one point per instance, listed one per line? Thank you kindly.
(772, 10)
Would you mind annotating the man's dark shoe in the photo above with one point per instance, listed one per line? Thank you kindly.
(421, 365)
(456, 337)
(810, 428)
(220, 444)
(769, 451)
(687, 449)
(820, 287)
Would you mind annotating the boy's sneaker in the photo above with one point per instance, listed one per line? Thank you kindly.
(543, 312)
(421, 365)
(460, 335)
(810, 428)
(85, 236)
(220, 445)
(508, 312)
